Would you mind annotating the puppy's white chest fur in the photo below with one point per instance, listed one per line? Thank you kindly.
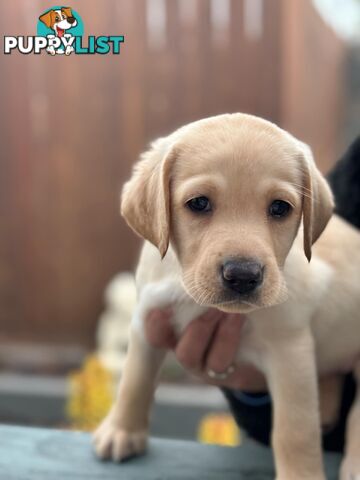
(167, 293)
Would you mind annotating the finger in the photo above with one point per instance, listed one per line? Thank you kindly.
(195, 340)
(245, 377)
(159, 330)
(225, 343)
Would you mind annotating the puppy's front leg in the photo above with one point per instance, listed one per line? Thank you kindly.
(350, 468)
(123, 433)
(292, 379)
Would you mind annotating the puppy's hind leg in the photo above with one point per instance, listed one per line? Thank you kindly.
(123, 433)
(350, 467)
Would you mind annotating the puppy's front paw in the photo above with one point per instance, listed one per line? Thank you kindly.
(350, 469)
(112, 442)
(69, 50)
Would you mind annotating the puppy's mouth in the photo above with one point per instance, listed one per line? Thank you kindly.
(229, 302)
(59, 31)
(224, 301)
(238, 304)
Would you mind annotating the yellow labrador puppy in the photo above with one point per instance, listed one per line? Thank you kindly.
(230, 208)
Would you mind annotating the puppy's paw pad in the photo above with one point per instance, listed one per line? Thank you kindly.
(112, 442)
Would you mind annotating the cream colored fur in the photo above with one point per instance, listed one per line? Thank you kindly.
(303, 323)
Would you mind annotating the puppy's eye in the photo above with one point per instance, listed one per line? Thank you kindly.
(199, 204)
(279, 209)
(57, 19)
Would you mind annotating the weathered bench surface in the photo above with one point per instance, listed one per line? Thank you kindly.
(37, 454)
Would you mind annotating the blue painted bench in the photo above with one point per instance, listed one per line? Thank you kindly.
(39, 454)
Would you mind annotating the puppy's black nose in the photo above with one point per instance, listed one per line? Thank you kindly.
(71, 20)
(242, 276)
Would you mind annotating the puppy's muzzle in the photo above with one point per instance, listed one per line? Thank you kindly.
(242, 276)
(71, 20)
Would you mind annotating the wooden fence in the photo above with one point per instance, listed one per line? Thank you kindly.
(70, 128)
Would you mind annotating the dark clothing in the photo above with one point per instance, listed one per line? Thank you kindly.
(253, 413)
(344, 180)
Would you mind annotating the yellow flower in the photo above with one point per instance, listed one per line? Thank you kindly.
(91, 393)
(219, 429)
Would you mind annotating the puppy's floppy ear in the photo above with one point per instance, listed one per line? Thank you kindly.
(145, 200)
(67, 11)
(318, 201)
(47, 18)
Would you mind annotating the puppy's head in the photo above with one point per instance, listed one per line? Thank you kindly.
(229, 193)
(59, 20)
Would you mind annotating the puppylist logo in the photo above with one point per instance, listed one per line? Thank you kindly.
(60, 31)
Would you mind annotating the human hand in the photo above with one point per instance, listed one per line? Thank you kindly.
(207, 347)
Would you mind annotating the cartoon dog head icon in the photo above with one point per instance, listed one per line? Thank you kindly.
(59, 20)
